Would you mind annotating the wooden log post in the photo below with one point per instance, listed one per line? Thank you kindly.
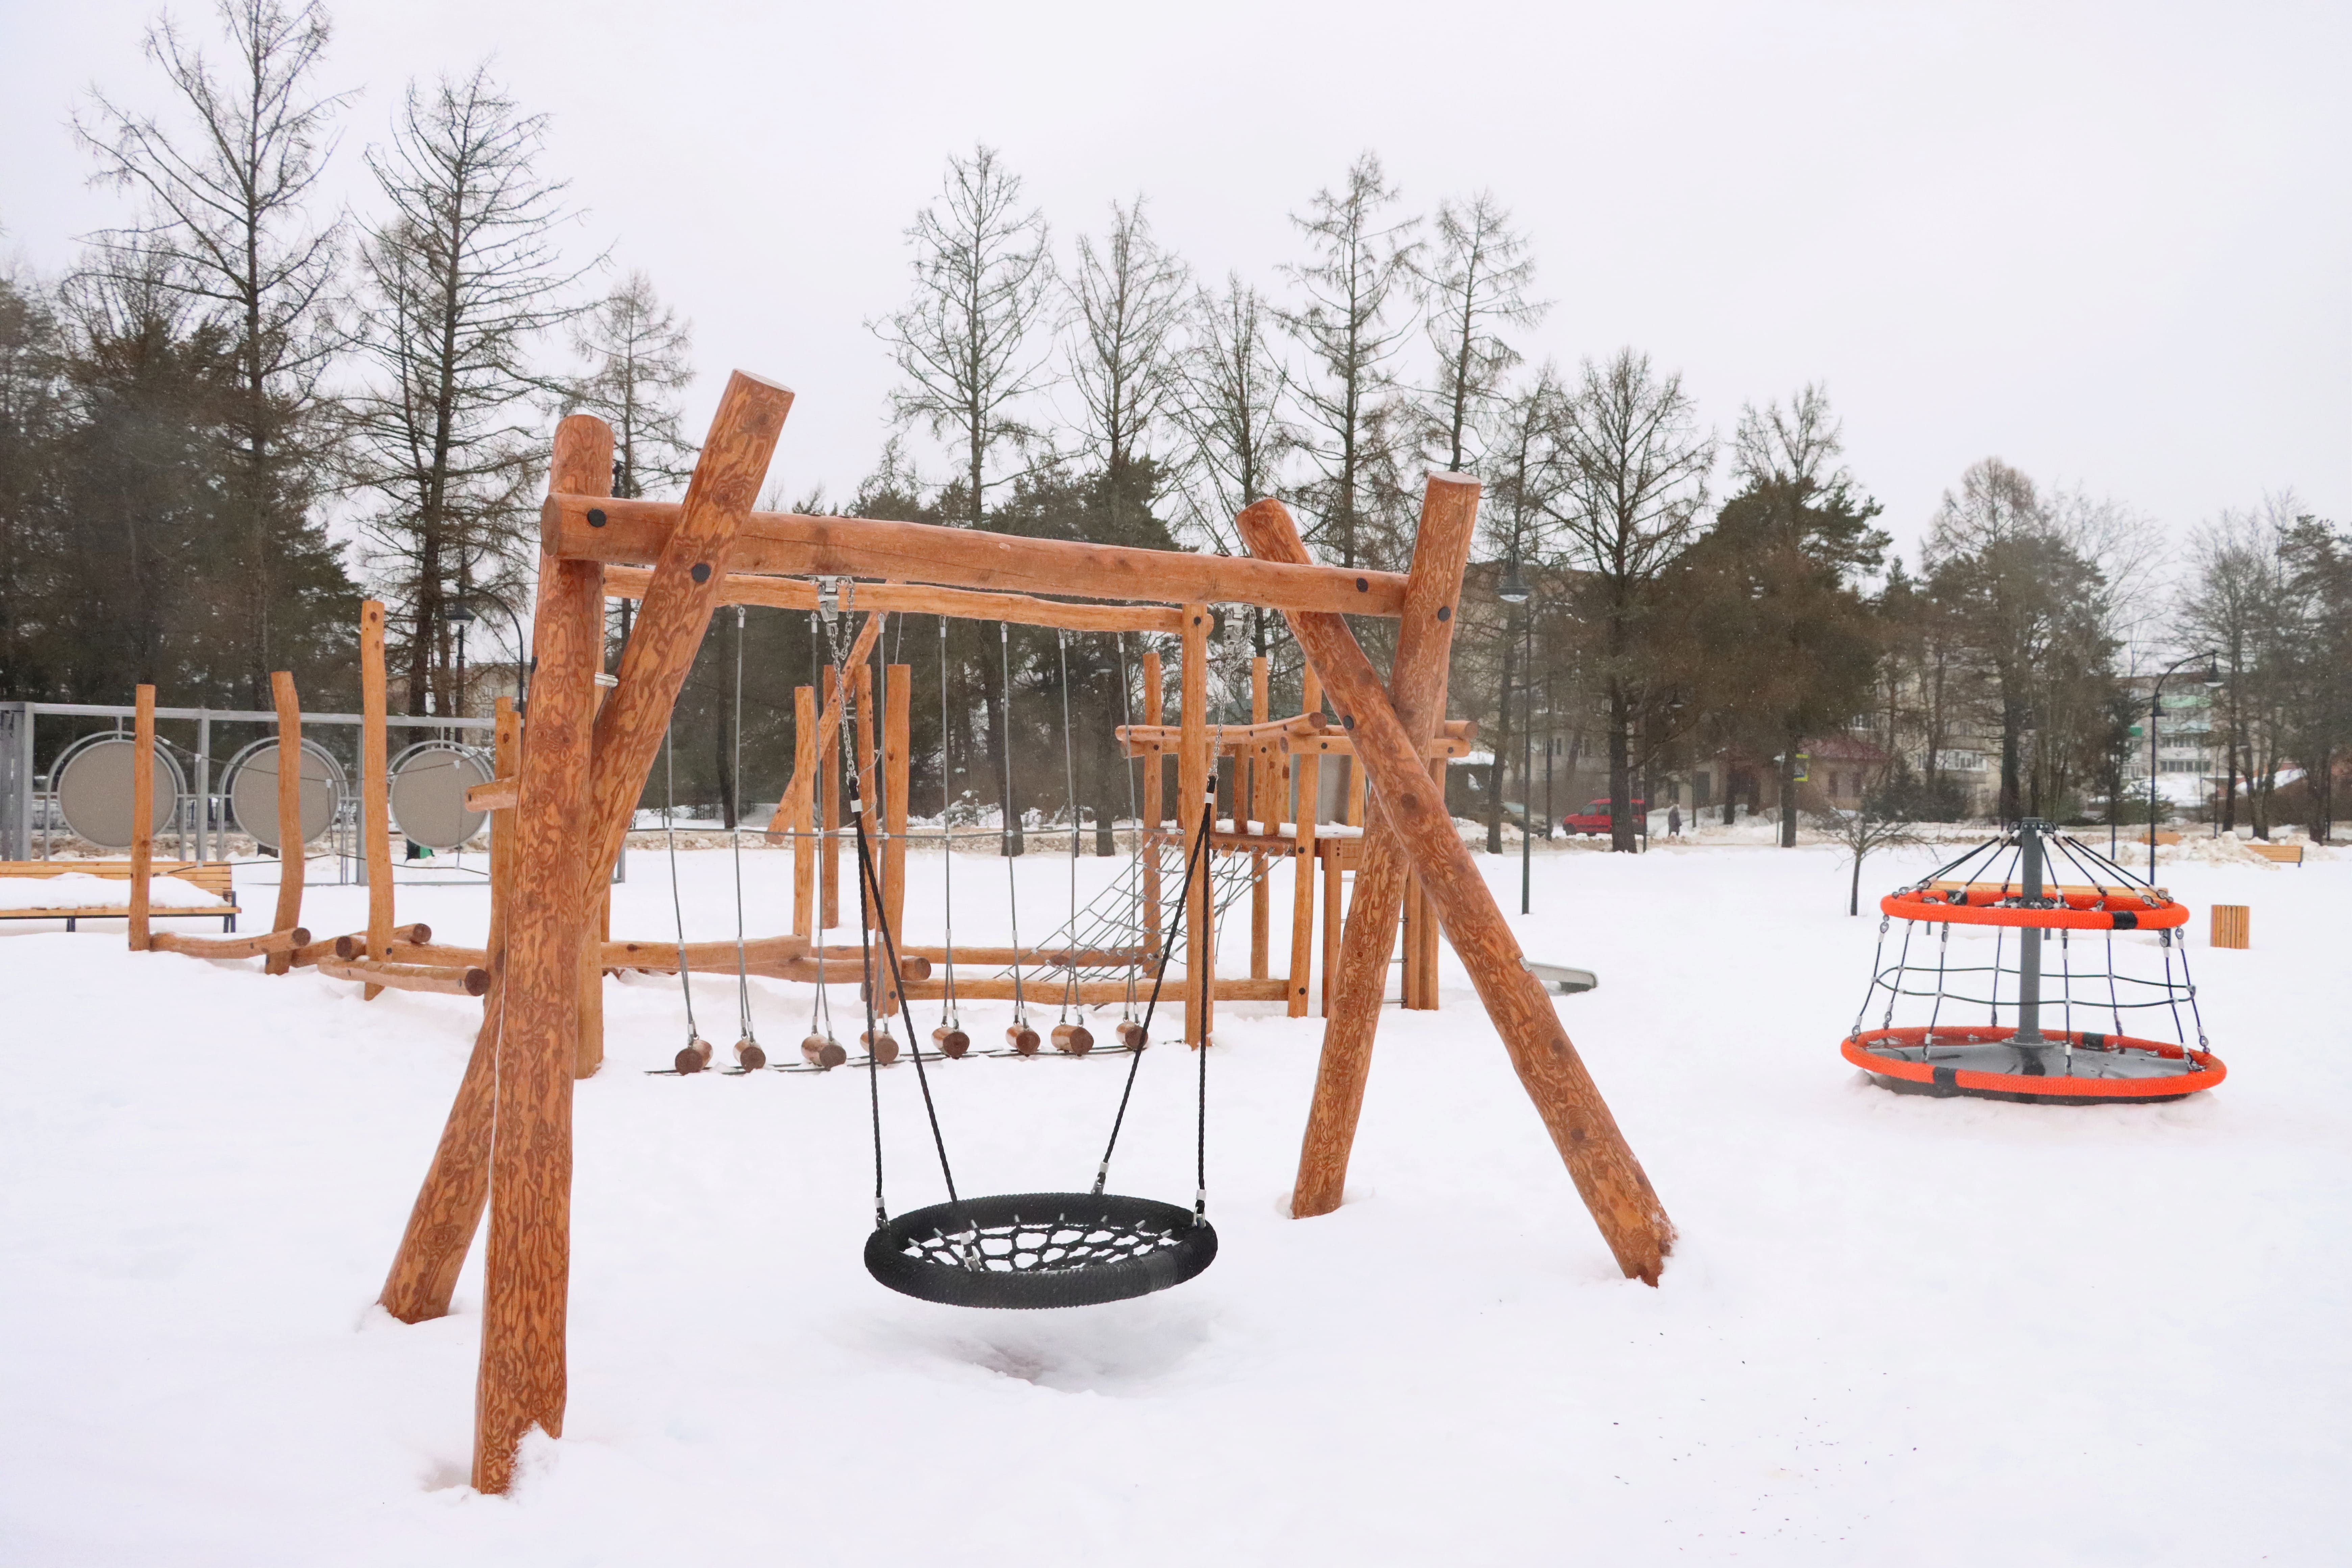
(1253, 798)
(1194, 774)
(290, 843)
(272, 944)
(828, 789)
(449, 1202)
(861, 692)
(1155, 784)
(897, 717)
(561, 874)
(1442, 550)
(142, 813)
(1305, 790)
(376, 784)
(802, 821)
(1416, 823)
(588, 1037)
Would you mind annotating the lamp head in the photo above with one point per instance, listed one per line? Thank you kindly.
(1514, 590)
(459, 613)
(2212, 672)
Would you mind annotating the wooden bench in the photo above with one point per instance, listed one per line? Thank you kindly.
(214, 876)
(2284, 854)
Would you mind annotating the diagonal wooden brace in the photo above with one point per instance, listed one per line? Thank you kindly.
(1607, 1175)
(802, 784)
(1449, 512)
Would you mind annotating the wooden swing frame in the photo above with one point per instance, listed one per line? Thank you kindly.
(582, 771)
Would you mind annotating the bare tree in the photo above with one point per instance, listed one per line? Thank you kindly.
(1865, 832)
(461, 277)
(1796, 444)
(967, 344)
(636, 351)
(1477, 276)
(1526, 475)
(1637, 467)
(2030, 604)
(2238, 603)
(1349, 325)
(228, 222)
(1129, 299)
(1229, 405)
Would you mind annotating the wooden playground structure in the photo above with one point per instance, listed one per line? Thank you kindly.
(569, 781)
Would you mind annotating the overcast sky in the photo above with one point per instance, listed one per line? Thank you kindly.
(2106, 243)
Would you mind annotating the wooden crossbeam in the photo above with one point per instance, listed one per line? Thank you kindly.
(785, 544)
(919, 599)
(1414, 832)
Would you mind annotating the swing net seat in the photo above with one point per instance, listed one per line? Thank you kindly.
(1031, 1250)
(2011, 1025)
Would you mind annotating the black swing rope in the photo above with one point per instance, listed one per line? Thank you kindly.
(869, 892)
(870, 888)
(1159, 977)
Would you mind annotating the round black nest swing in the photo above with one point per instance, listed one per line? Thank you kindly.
(1040, 1250)
(1026, 1251)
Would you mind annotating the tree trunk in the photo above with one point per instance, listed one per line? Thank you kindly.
(2011, 795)
(1789, 742)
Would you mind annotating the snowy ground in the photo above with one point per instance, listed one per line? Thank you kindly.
(1895, 1329)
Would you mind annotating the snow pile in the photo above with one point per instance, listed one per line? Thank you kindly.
(81, 890)
(1895, 1330)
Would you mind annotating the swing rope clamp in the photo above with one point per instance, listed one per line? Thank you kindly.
(833, 594)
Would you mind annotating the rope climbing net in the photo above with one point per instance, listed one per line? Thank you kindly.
(2002, 1020)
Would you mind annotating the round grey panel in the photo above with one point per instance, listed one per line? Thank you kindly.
(94, 788)
(428, 794)
(252, 791)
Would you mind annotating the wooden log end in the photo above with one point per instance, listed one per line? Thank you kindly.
(881, 1046)
(749, 1055)
(477, 982)
(1132, 1035)
(1023, 1038)
(949, 1042)
(695, 1055)
(1073, 1039)
(821, 1051)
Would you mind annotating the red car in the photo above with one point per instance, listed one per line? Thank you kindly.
(1594, 818)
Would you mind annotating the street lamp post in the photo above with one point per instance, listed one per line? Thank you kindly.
(1515, 592)
(2155, 713)
(461, 611)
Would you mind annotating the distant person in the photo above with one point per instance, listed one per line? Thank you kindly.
(1673, 822)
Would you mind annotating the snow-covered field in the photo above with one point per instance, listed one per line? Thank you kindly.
(1895, 1329)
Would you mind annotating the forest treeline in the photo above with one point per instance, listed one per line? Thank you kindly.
(244, 409)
